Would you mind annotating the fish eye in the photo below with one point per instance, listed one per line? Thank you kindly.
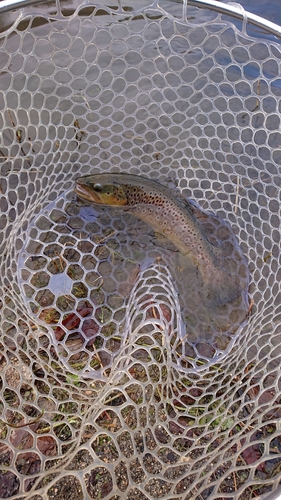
(97, 187)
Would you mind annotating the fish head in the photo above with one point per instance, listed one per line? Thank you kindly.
(100, 190)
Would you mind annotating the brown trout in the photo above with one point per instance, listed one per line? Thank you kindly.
(170, 215)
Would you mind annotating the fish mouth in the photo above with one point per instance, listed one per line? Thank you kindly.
(87, 194)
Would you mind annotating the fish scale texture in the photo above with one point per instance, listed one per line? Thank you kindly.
(100, 396)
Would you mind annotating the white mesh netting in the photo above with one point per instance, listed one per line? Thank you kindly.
(99, 400)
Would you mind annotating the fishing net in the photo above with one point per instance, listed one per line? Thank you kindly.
(102, 395)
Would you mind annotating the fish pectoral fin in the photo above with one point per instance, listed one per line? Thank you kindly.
(159, 236)
(162, 241)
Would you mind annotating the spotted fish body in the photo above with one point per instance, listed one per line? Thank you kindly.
(170, 215)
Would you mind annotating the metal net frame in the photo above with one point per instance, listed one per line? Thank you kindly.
(97, 401)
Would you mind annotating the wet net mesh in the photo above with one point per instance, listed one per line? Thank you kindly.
(101, 398)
